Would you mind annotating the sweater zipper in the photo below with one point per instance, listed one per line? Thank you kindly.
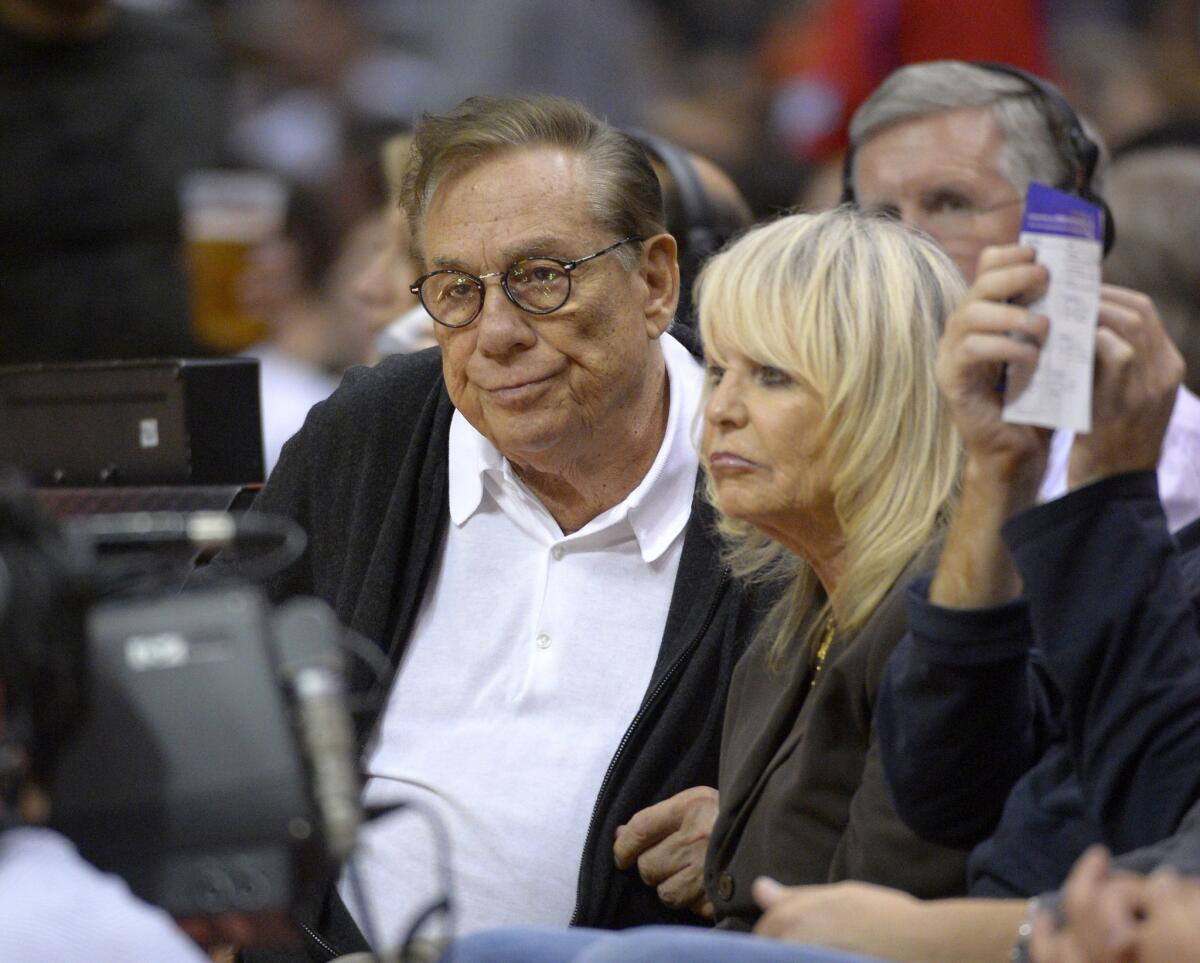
(590, 838)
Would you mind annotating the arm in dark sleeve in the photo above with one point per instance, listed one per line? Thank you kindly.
(1119, 636)
(959, 716)
(286, 495)
(1180, 850)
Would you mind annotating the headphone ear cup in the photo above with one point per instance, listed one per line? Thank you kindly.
(1110, 222)
(702, 243)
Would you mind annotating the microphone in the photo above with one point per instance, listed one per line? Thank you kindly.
(306, 634)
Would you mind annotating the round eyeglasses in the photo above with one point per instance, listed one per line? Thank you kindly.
(538, 285)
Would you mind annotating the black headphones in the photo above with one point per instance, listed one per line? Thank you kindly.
(699, 238)
(1078, 151)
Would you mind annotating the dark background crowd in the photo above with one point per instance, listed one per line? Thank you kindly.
(311, 89)
(868, 495)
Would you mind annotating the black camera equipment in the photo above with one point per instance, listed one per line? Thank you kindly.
(169, 422)
(214, 764)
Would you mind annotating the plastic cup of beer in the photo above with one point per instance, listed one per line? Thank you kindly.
(226, 214)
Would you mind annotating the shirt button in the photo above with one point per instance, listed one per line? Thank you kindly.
(557, 552)
(543, 641)
(725, 886)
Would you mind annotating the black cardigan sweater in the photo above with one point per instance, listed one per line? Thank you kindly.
(367, 478)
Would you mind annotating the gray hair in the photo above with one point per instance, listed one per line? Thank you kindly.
(625, 194)
(1030, 150)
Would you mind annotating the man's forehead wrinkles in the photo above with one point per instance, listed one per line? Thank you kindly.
(546, 245)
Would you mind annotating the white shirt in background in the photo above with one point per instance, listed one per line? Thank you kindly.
(288, 388)
(57, 908)
(1178, 464)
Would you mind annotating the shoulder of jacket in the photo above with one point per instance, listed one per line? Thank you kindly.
(398, 387)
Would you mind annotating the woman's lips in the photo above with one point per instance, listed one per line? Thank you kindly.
(722, 462)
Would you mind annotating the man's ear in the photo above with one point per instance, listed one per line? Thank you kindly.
(660, 270)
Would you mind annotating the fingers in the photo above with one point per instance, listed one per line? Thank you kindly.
(1048, 945)
(1020, 282)
(1089, 872)
(981, 348)
(1133, 316)
(1007, 319)
(1002, 255)
(1122, 321)
(1137, 376)
(784, 907)
(690, 814)
(1116, 915)
(674, 855)
(646, 829)
(767, 892)
(685, 889)
(1164, 886)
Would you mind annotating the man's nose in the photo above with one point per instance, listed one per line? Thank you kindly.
(502, 326)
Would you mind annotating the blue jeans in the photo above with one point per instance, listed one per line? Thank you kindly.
(646, 944)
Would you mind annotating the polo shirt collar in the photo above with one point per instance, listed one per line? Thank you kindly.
(657, 510)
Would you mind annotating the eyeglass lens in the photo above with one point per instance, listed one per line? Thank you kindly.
(537, 285)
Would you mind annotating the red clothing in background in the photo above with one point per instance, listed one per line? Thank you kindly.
(826, 60)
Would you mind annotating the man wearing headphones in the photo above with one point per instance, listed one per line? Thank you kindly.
(951, 147)
(54, 907)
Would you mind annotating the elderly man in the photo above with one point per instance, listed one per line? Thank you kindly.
(951, 147)
(513, 520)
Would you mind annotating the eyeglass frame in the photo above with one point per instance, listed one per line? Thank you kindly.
(567, 267)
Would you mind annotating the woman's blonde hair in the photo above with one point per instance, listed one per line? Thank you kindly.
(852, 305)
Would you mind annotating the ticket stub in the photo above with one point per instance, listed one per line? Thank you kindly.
(1068, 235)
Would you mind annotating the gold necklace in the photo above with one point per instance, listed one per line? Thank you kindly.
(823, 649)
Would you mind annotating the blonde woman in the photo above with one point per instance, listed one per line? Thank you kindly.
(834, 466)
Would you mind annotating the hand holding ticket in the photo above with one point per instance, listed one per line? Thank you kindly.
(1067, 234)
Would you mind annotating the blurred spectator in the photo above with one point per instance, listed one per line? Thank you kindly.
(1158, 246)
(294, 282)
(370, 280)
(380, 285)
(825, 57)
(602, 54)
(103, 110)
(1109, 75)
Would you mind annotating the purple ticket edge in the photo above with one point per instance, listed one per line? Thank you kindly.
(1048, 211)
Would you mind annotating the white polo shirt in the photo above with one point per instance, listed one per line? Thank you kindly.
(529, 658)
